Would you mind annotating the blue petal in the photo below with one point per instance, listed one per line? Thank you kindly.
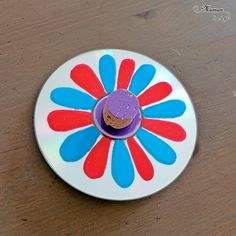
(169, 109)
(107, 70)
(142, 78)
(72, 98)
(160, 150)
(122, 168)
(78, 144)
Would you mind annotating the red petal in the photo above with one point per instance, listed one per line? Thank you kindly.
(64, 120)
(95, 163)
(85, 77)
(155, 93)
(125, 73)
(166, 129)
(141, 161)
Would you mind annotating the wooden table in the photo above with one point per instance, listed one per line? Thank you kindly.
(38, 36)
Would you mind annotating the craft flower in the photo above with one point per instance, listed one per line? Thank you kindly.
(89, 143)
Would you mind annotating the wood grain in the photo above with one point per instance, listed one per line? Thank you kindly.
(37, 36)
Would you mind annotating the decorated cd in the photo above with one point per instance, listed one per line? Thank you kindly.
(115, 124)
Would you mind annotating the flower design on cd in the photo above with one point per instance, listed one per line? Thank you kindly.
(129, 150)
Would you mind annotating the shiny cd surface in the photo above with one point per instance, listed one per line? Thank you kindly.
(155, 124)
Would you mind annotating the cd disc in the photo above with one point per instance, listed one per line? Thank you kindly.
(115, 124)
